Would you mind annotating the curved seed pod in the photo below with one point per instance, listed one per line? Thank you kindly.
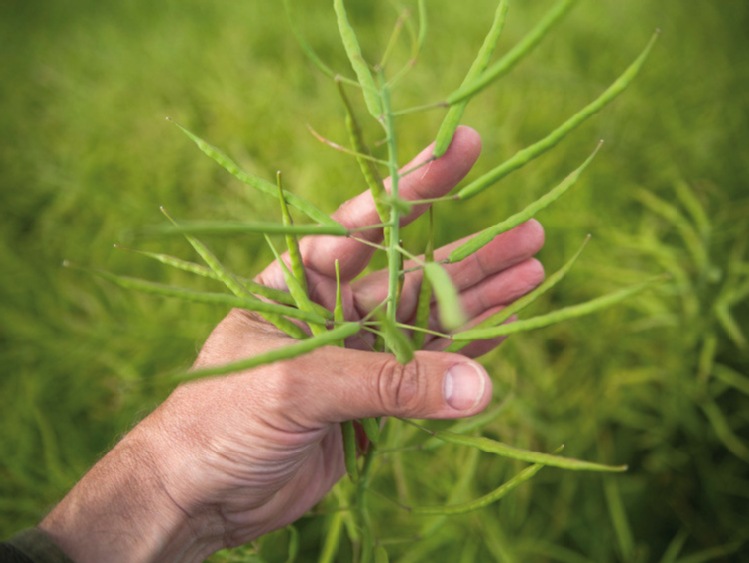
(226, 277)
(693, 241)
(619, 520)
(423, 307)
(248, 301)
(338, 311)
(293, 551)
(508, 61)
(395, 339)
(292, 243)
(448, 300)
(401, 274)
(381, 555)
(549, 319)
(368, 167)
(454, 114)
(254, 181)
(483, 501)
(298, 293)
(732, 377)
(423, 25)
(487, 445)
(523, 156)
(722, 308)
(208, 298)
(348, 434)
(243, 227)
(417, 38)
(203, 271)
(353, 51)
(723, 431)
(308, 50)
(174, 262)
(338, 315)
(519, 304)
(371, 428)
(330, 545)
(394, 36)
(694, 207)
(234, 285)
(466, 425)
(298, 348)
(485, 237)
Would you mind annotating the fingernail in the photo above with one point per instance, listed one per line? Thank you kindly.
(464, 386)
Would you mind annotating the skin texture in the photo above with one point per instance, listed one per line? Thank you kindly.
(225, 460)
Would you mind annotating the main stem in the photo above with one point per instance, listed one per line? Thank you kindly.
(361, 510)
(392, 233)
(392, 237)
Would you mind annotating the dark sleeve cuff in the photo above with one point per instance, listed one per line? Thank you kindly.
(32, 546)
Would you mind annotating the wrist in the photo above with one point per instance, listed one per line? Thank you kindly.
(123, 510)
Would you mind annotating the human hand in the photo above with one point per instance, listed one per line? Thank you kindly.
(225, 460)
(487, 280)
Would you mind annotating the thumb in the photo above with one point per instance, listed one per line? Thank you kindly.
(343, 384)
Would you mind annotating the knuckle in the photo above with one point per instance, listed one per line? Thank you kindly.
(401, 388)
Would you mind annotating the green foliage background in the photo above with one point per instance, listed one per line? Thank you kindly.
(660, 383)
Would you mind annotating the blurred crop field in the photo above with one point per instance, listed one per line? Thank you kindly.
(660, 383)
